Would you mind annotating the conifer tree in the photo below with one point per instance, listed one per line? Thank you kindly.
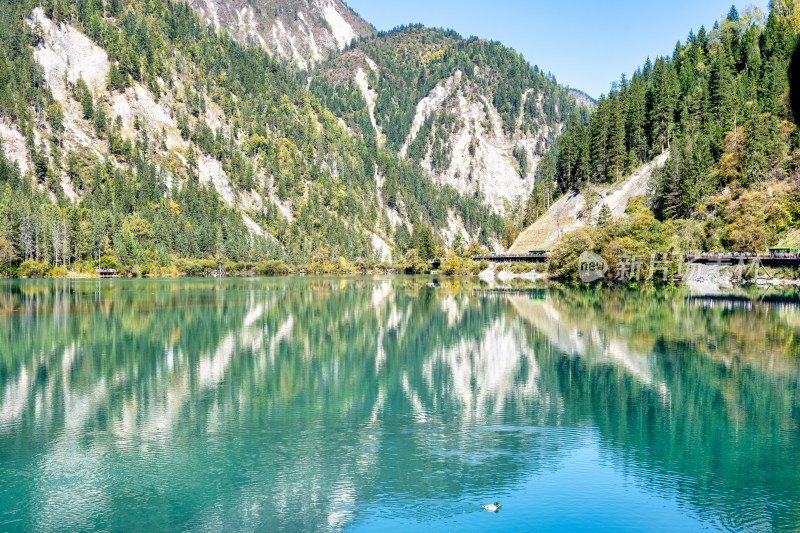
(636, 120)
(604, 216)
(662, 106)
(598, 136)
(671, 193)
(754, 160)
(617, 160)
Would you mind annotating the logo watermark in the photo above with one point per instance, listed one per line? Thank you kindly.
(665, 267)
(591, 267)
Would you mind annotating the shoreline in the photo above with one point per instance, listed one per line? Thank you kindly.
(701, 279)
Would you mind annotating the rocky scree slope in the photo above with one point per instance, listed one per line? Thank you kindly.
(581, 208)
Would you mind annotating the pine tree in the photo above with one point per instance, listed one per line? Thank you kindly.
(636, 120)
(662, 105)
(754, 159)
(604, 216)
(427, 247)
(598, 135)
(618, 156)
(670, 201)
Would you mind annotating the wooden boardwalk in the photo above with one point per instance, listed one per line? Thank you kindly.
(542, 257)
(106, 273)
(791, 260)
(500, 258)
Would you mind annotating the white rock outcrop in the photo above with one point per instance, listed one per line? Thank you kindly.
(343, 32)
(481, 158)
(431, 103)
(14, 146)
(381, 247)
(68, 55)
(303, 31)
(371, 97)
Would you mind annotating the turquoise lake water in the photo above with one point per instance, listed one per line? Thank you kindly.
(379, 404)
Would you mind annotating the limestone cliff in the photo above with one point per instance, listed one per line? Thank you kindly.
(304, 31)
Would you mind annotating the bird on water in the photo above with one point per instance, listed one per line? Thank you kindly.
(491, 507)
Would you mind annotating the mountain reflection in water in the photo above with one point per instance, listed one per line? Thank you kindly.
(306, 404)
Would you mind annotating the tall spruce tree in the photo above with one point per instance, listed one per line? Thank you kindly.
(754, 159)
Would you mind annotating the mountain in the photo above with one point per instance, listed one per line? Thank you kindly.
(303, 31)
(473, 113)
(138, 136)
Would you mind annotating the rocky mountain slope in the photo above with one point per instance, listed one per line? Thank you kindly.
(583, 99)
(303, 31)
(142, 135)
(473, 113)
(580, 209)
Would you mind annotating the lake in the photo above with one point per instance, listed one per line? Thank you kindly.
(402, 404)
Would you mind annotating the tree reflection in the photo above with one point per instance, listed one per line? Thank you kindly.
(289, 403)
(707, 393)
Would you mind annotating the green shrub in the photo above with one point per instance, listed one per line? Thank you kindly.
(233, 267)
(57, 272)
(109, 262)
(32, 269)
(564, 260)
(272, 268)
(523, 268)
(414, 264)
(473, 267)
(451, 265)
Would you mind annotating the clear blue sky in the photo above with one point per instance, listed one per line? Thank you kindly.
(586, 44)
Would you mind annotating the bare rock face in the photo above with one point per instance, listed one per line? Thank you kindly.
(304, 31)
(14, 146)
(481, 154)
(67, 55)
(583, 99)
(458, 135)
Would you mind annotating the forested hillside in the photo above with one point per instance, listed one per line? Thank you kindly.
(473, 113)
(137, 134)
(719, 106)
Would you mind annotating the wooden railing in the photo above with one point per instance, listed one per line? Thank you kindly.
(506, 258)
